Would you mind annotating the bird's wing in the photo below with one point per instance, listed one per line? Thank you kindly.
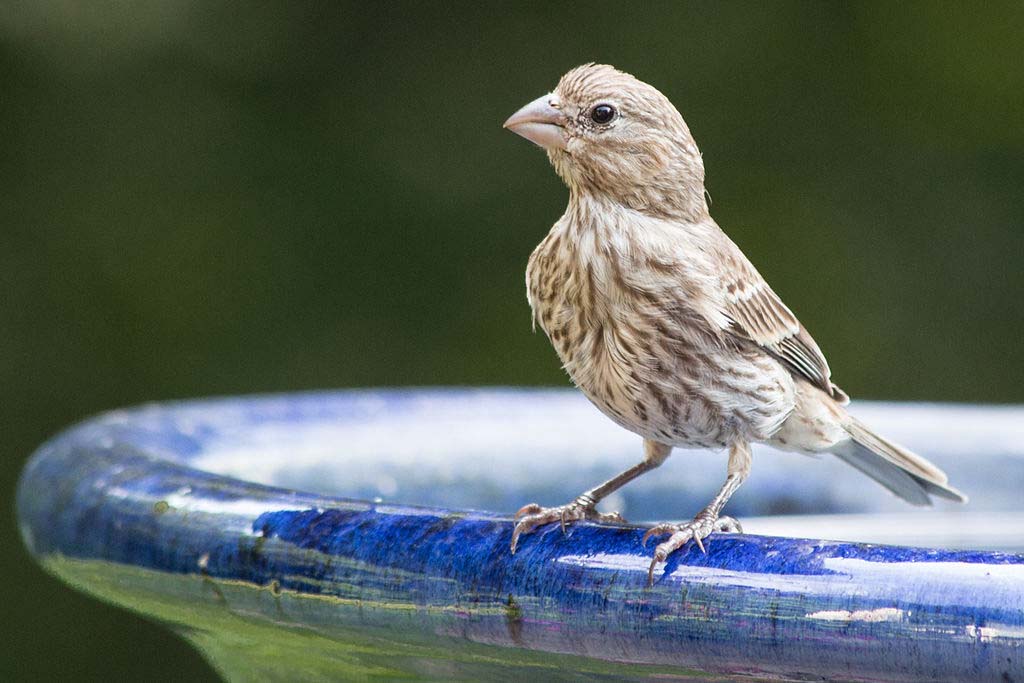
(757, 313)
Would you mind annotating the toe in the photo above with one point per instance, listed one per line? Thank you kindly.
(515, 539)
(728, 525)
(676, 541)
(533, 515)
(658, 530)
(698, 531)
(611, 517)
(525, 526)
(529, 509)
(663, 550)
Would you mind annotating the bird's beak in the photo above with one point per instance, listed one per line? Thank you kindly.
(540, 122)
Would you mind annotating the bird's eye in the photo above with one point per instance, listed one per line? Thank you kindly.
(602, 113)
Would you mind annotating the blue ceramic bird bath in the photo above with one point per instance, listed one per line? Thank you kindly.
(365, 534)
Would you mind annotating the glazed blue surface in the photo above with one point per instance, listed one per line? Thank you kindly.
(147, 490)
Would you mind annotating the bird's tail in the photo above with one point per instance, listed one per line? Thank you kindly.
(906, 474)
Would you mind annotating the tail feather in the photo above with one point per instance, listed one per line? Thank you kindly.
(906, 474)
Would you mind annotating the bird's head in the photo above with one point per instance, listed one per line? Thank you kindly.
(613, 136)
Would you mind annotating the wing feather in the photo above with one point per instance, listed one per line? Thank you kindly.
(755, 312)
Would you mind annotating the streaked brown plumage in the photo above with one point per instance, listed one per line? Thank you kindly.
(661, 320)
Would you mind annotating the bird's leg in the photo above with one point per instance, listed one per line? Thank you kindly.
(708, 519)
(584, 507)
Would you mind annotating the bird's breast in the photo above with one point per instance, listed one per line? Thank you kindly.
(647, 359)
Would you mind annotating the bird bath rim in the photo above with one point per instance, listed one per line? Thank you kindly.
(135, 506)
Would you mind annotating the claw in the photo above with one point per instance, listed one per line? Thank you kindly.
(700, 543)
(516, 533)
(659, 556)
(653, 531)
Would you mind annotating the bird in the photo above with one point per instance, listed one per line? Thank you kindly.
(664, 324)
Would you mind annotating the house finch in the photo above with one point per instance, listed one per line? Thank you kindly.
(660, 319)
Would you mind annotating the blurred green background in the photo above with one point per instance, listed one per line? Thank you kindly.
(216, 198)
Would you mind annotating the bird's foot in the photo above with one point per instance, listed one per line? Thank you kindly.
(532, 516)
(700, 528)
